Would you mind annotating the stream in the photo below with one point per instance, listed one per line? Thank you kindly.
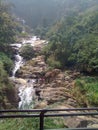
(26, 91)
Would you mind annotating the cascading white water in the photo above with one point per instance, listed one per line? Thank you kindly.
(27, 95)
(26, 92)
(30, 40)
(18, 64)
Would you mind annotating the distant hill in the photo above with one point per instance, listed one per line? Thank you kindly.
(46, 12)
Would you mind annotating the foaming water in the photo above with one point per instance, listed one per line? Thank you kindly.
(30, 40)
(27, 95)
(27, 91)
(18, 64)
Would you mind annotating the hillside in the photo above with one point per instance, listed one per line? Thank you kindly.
(8, 31)
(55, 65)
(74, 42)
(46, 12)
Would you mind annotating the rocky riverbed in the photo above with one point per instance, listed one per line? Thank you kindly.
(53, 87)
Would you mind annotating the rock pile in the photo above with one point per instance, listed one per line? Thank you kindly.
(53, 85)
(53, 89)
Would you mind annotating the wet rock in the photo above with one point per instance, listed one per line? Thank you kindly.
(33, 68)
(93, 125)
(41, 105)
(13, 98)
(54, 85)
(71, 102)
(76, 122)
(20, 81)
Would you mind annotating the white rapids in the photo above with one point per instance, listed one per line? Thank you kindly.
(27, 91)
(27, 95)
(18, 63)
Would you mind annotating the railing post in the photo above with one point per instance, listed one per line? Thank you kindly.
(42, 119)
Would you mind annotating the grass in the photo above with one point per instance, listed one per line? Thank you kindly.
(30, 124)
(86, 91)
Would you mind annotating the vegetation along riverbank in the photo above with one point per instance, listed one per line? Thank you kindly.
(48, 59)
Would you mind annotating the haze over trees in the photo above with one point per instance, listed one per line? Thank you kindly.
(71, 27)
(46, 12)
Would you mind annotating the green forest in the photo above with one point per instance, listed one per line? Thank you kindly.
(72, 32)
(8, 31)
(74, 43)
(71, 29)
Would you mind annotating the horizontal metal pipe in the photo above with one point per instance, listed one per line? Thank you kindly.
(49, 110)
(19, 116)
(48, 115)
(8, 111)
(70, 114)
(75, 129)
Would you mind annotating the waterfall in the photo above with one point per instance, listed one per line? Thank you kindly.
(26, 92)
(27, 95)
(18, 64)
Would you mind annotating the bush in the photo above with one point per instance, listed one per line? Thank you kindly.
(53, 63)
(27, 52)
(30, 124)
(7, 62)
(6, 87)
(85, 91)
(3, 74)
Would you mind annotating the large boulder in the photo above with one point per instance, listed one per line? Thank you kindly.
(76, 122)
(19, 81)
(41, 105)
(51, 75)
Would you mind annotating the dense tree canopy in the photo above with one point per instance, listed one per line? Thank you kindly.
(27, 52)
(41, 15)
(8, 30)
(6, 33)
(74, 42)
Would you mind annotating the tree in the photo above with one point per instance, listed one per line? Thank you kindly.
(27, 52)
(7, 62)
(74, 43)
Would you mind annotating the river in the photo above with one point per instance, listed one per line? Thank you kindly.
(26, 91)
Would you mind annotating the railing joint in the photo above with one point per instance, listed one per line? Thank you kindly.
(43, 111)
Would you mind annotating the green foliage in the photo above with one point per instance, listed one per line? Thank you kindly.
(8, 28)
(86, 91)
(7, 31)
(3, 74)
(27, 52)
(23, 34)
(41, 32)
(7, 36)
(7, 62)
(53, 63)
(3, 78)
(5, 87)
(74, 42)
(30, 124)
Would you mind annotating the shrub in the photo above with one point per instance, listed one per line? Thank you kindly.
(30, 124)
(27, 52)
(85, 91)
(3, 73)
(7, 62)
(53, 63)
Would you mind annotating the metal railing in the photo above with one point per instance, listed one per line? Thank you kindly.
(41, 113)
